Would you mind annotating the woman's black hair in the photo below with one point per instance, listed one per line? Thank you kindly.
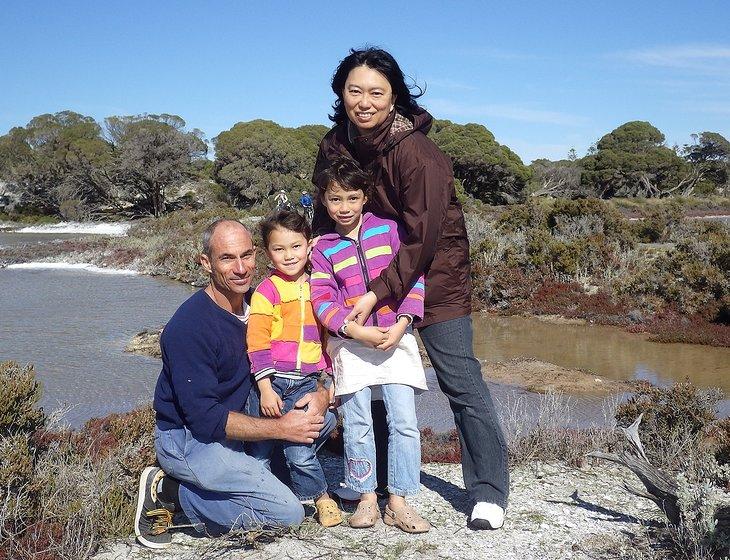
(383, 62)
(284, 219)
(346, 173)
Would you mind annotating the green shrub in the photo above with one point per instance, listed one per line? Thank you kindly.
(614, 225)
(16, 472)
(658, 222)
(522, 216)
(19, 396)
(694, 276)
(677, 420)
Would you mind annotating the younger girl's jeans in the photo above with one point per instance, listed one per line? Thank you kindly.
(404, 440)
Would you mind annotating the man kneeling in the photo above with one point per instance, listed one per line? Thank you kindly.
(199, 402)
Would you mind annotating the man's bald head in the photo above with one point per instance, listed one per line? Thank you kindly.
(221, 223)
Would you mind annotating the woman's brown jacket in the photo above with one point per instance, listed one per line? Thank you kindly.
(413, 184)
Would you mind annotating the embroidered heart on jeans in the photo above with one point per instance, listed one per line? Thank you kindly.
(359, 469)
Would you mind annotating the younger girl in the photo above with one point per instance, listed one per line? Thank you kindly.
(285, 349)
(380, 357)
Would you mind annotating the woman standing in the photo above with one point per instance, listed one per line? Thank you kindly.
(379, 124)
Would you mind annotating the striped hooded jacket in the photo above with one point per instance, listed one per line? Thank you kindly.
(283, 335)
(343, 268)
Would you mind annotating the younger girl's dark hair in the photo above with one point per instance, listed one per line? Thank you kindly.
(346, 173)
(284, 219)
(383, 62)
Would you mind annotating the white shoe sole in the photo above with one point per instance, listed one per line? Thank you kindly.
(140, 505)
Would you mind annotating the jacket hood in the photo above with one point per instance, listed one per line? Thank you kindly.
(340, 140)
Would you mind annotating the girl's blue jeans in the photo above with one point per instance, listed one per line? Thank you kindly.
(307, 476)
(404, 440)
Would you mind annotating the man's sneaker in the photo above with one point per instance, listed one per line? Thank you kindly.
(486, 515)
(151, 521)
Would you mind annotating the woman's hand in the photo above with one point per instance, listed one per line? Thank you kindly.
(395, 333)
(362, 309)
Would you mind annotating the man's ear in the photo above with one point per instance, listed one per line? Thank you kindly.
(205, 263)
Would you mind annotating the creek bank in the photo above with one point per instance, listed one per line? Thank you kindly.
(146, 343)
(537, 376)
(555, 512)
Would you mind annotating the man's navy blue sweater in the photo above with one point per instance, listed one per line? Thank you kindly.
(205, 369)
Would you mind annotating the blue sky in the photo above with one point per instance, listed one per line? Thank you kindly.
(542, 76)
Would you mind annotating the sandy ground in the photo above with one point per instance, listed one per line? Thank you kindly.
(554, 512)
(540, 377)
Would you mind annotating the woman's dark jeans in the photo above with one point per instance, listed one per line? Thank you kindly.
(459, 374)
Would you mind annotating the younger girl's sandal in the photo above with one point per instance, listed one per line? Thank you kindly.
(328, 514)
(407, 519)
(366, 515)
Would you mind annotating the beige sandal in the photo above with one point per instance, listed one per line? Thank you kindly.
(407, 519)
(328, 514)
(366, 515)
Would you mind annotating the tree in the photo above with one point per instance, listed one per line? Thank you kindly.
(557, 178)
(709, 158)
(257, 158)
(632, 160)
(487, 170)
(152, 154)
(53, 163)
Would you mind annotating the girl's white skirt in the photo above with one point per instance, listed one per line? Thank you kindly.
(356, 366)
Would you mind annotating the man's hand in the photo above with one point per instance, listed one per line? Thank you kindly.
(271, 403)
(316, 402)
(369, 336)
(395, 333)
(362, 308)
(299, 426)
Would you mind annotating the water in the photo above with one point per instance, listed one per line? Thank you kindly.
(14, 239)
(73, 325)
(607, 351)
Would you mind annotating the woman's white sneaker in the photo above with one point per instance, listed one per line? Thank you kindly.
(486, 515)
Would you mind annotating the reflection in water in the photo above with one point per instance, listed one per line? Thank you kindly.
(606, 351)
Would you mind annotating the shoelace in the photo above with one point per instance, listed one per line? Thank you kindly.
(162, 520)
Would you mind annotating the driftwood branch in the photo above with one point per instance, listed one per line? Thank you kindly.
(660, 487)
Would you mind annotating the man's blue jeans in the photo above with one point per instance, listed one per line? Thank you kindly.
(307, 477)
(459, 373)
(223, 488)
(404, 441)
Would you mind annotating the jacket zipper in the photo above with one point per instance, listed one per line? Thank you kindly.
(363, 268)
(301, 327)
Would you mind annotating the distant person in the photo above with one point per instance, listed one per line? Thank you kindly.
(379, 124)
(306, 201)
(285, 350)
(199, 402)
(281, 201)
(382, 356)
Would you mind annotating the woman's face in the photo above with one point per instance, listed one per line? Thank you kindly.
(368, 98)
